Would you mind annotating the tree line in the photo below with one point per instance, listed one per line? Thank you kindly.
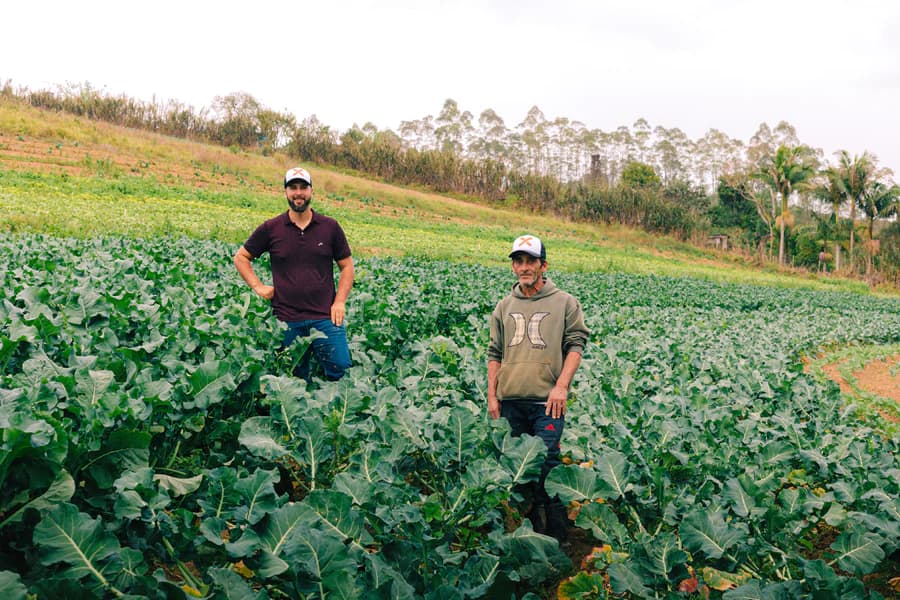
(771, 192)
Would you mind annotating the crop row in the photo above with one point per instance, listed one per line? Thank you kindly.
(153, 446)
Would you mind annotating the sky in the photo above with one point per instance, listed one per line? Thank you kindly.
(830, 68)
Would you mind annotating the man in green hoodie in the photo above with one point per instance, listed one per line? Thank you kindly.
(538, 336)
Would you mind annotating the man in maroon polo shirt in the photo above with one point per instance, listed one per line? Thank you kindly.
(302, 247)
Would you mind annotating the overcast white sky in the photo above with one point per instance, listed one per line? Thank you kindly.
(831, 68)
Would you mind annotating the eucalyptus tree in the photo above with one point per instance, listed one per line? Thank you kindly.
(419, 134)
(621, 150)
(454, 128)
(714, 152)
(857, 174)
(556, 149)
(879, 201)
(672, 151)
(641, 137)
(786, 172)
(490, 138)
(532, 132)
(766, 140)
(578, 160)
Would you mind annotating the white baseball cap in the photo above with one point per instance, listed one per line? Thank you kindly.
(530, 245)
(295, 174)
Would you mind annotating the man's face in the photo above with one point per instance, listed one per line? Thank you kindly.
(529, 269)
(298, 194)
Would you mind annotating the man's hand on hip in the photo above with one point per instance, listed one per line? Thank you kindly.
(266, 292)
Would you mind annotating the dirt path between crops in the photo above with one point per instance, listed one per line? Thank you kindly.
(880, 377)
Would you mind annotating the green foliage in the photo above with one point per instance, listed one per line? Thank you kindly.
(888, 258)
(804, 247)
(147, 422)
(735, 210)
(647, 209)
(143, 207)
(638, 175)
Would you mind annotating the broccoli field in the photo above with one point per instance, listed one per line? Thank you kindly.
(155, 446)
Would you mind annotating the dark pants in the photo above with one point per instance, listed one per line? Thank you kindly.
(547, 515)
(331, 352)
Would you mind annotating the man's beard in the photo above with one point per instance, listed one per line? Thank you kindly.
(299, 207)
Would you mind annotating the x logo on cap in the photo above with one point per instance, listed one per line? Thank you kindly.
(525, 241)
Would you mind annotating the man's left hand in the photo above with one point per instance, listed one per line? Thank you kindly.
(338, 311)
(556, 402)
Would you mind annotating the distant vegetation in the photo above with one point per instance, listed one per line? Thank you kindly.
(773, 198)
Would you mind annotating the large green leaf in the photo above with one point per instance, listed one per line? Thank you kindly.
(464, 435)
(336, 514)
(824, 582)
(523, 457)
(603, 523)
(91, 386)
(753, 590)
(740, 499)
(124, 450)
(858, 553)
(258, 496)
(61, 490)
(324, 557)
(12, 586)
(314, 447)
(663, 555)
(572, 482)
(210, 384)
(136, 491)
(537, 555)
(583, 585)
(622, 579)
(613, 469)
(65, 535)
(274, 537)
(708, 532)
(261, 437)
(386, 579)
(178, 486)
(228, 585)
(478, 574)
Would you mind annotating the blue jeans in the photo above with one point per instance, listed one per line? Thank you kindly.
(531, 418)
(331, 352)
(547, 515)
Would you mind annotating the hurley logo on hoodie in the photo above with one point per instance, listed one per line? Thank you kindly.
(532, 330)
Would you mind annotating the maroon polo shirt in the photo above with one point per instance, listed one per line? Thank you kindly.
(302, 264)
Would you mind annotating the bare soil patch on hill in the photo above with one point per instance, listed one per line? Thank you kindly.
(880, 377)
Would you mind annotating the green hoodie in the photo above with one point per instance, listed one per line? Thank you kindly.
(530, 337)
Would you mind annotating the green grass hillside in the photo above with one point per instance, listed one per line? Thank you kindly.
(70, 176)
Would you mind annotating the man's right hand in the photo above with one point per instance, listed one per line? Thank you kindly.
(266, 292)
(494, 408)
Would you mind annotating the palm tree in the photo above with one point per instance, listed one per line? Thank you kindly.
(825, 230)
(856, 174)
(831, 190)
(785, 173)
(880, 200)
